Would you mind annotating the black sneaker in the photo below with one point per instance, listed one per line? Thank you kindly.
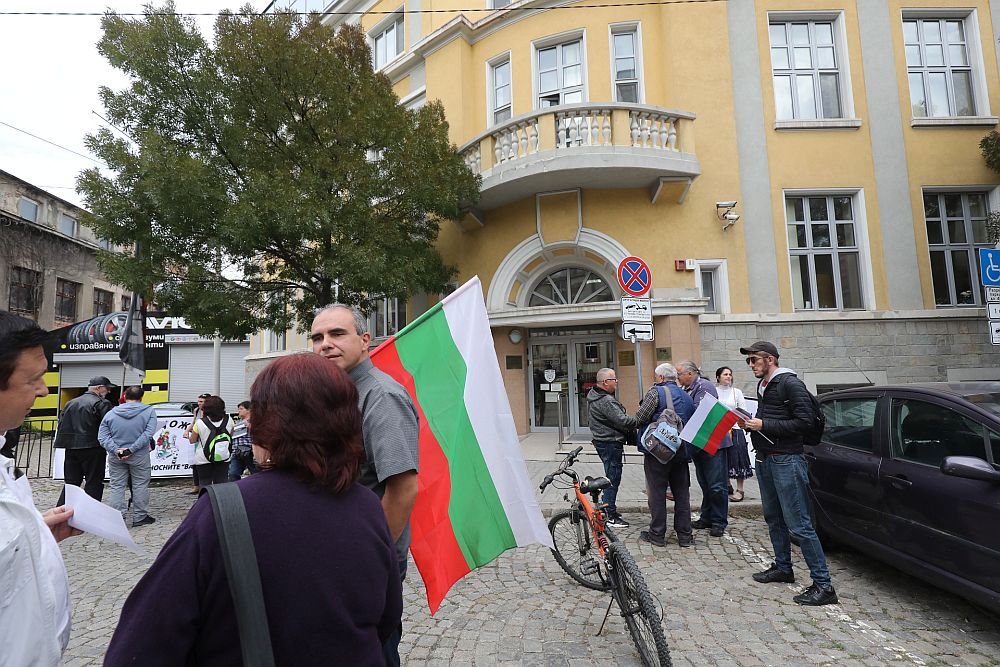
(700, 524)
(645, 536)
(717, 531)
(685, 541)
(143, 522)
(815, 596)
(617, 521)
(772, 574)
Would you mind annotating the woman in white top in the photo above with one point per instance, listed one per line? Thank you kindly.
(211, 459)
(739, 457)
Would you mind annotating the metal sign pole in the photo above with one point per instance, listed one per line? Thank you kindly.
(638, 364)
(559, 409)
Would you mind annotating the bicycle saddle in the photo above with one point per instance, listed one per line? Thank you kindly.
(591, 484)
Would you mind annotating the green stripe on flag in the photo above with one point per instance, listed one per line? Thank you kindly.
(430, 355)
(716, 414)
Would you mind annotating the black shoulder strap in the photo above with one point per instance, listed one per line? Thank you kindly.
(240, 559)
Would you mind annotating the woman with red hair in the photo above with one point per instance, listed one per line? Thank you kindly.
(327, 562)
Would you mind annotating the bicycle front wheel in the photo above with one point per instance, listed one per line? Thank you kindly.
(638, 608)
(575, 550)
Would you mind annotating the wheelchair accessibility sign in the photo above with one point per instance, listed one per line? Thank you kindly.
(989, 266)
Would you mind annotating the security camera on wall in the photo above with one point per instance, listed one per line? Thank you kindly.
(725, 204)
(730, 219)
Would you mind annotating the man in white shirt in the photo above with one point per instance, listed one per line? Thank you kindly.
(34, 603)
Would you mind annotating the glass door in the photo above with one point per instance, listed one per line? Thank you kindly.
(589, 357)
(550, 370)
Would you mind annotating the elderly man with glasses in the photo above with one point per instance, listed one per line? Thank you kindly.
(784, 414)
(610, 426)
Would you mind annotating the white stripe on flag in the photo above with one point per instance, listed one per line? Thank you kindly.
(489, 410)
(694, 424)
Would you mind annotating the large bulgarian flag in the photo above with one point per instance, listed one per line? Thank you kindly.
(475, 499)
(709, 424)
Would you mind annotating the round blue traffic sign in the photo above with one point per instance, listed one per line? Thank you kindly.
(634, 276)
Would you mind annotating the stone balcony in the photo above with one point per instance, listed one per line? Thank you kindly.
(605, 145)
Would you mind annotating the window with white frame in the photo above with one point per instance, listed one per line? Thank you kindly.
(388, 318)
(626, 64)
(27, 209)
(712, 280)
(275, 341)
(560, 74)
(387, 44)
(500, 85)
(68, 225)
(824, 252)
(806, 69)
(956, 228)
(939, 67)
(570, 286)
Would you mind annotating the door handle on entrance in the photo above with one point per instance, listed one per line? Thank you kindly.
(898, 481)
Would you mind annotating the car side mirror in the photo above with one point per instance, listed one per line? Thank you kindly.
(970, 467)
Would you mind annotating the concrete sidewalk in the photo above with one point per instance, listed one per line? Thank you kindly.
(542, 454)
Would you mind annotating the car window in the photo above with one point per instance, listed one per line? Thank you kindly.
(926, 433)
(995, 448)
(850, 422)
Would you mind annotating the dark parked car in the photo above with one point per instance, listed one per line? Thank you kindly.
(910, 474)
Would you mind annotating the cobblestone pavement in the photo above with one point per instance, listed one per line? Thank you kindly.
(523, 610)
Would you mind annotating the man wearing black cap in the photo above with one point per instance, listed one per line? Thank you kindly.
(77, 434)
(784, 415)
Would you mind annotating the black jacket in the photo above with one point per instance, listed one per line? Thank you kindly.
(80, 420)
(608, 420)
(785, 421)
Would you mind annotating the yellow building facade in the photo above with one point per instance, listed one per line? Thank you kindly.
(804, 172)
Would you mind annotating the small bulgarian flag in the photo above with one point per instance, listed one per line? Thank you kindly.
(709, 424)
(475, 499)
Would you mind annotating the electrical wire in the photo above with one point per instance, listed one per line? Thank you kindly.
(35, 136)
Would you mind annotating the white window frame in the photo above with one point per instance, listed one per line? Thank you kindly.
(380, 29)
(559, 40)
(390, 312)
(861, 237)
(980, 93)
(719, 269)
(992, 194)
(275, 341)
(634, 27)
(38, 208)
(847, 117)
(74, 223)
(491, 68)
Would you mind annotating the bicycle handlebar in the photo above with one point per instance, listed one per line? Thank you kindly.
(563, 467)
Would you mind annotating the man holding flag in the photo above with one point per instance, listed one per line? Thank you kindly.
(709, 468)
(784, 414)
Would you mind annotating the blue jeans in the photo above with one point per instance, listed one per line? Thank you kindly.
(784, 492)
(611, 454)
(711, 472)
(239, 462)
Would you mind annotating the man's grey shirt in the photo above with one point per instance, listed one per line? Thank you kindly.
(390, 429)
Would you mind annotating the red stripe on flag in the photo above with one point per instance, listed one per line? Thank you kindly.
(434, 545)
(719, 432)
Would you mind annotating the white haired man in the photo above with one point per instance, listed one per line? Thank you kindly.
(610, 427)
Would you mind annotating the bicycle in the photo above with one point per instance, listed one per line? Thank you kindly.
(588, 551)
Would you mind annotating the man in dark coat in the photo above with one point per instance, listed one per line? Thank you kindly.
(77, 434)
(784, 413)
(610, 427)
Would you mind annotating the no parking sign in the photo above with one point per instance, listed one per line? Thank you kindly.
(634, 276)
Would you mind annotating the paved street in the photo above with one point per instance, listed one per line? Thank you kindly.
(523, 610)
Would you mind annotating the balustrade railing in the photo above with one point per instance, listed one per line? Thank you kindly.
(575, 126)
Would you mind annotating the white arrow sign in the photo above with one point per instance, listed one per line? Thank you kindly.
(640, 331)
(636, 309)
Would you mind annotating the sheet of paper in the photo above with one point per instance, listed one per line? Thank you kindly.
(95, 517)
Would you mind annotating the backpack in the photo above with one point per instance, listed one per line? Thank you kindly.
(662, 438)
(814, 435)
(219, 442)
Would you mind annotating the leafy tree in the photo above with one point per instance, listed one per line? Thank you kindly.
(268, 173)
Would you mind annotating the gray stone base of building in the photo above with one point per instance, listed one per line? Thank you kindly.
(838, 350)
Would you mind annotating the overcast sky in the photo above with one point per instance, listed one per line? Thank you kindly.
(52, 73)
